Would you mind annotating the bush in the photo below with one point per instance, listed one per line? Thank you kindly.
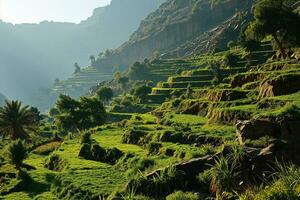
(132, 136)
(85, 151)
(97, 153)
(179, 195)
(159, 184)
(86, 137)
(153, 148)
(55, 163)
(113, 155)
(144, 163)
(17, 152)
(224, 176)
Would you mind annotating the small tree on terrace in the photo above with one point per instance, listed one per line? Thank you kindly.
(275, 18)
(105, 94)
(77, 68)
(75, 115)
(17, 152)
(142, 92)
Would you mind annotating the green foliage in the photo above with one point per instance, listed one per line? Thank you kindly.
(17, 152)
(275, 18)
(142, 92)
(97, 153)
(17, 121)
(224, 176)
(47, 148)
(139, 71)
(286, 184)
(153, 148)
(86, 137)
(83, 114)
(56, 163)
(179, 195)
(105, 94)
(132, 136)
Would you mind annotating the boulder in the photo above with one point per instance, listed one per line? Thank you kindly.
(280, 85)
(290, 132)
(185, 176)
(255, 129)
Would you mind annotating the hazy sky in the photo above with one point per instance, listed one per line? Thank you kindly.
(34, 11)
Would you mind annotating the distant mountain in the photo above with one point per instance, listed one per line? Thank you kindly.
(178, 24)
(33, 55)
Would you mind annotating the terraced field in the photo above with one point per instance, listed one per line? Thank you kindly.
(80, 83)
(246, 95)
(199, 76)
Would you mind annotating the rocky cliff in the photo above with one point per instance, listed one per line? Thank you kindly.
(177, 23)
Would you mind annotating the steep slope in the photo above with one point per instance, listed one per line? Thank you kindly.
(176, 23)
(38, 53)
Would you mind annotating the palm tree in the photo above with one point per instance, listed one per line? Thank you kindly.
(17, 152)
(16, 120)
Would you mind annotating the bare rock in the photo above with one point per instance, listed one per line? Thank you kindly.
(254, 129)
(280, 85)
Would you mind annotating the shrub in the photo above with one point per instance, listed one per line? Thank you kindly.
(144, 163)
(153, 148)
(98, 153)
(132, 136)
(179, 195)
(85, 151)
(113, 155)
(159, 184)
(55, 163)
(17, 152)
(224, 176)
(204, 179)
(86, 137)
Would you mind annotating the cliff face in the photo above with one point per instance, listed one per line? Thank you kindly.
(175, 23)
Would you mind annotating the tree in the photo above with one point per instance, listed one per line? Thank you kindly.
(77, 68)
(17, 152)
(275, 18)
(105, 94)
(123, 81)
(142, 92)
(93, 60)
(139, 71)
(17, 121)
(83, 114)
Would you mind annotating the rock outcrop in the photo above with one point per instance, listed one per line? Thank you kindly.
(280, 85)
(255, 129)
(174, 24)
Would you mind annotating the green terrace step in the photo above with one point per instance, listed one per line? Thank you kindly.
(157, 99)
(166, 91)
(201, 73)
(190, 78)
(185, 84)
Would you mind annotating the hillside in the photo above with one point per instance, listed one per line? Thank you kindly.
(176, 29)
(55, 47)
(176, 24)
(201, 121)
